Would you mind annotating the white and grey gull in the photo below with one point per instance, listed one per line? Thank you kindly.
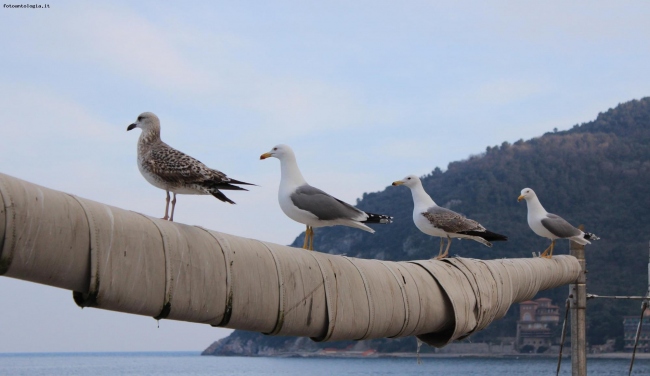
(434, 220)
(311, 206)
(174, 171)
(549, 225)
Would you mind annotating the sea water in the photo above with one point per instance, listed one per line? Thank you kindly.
(190, 363)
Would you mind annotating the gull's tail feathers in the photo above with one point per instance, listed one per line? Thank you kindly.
(233, 181)
(487, 235)
(378, 218)
(226, 185)
(218, 194)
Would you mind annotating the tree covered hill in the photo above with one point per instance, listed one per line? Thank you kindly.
(596, 174)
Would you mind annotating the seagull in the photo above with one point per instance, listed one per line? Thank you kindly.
(311, 206)
(438, 221)
(169, 169)
(549, 225)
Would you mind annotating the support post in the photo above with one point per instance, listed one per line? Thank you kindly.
(644, 306)
(647, 294)
(578, 307)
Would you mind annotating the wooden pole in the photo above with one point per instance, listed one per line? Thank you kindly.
(578, 307)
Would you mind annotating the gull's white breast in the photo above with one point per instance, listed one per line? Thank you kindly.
(535, 223)
(293, 212)
(422, 223)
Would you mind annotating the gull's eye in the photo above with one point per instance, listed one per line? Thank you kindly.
(275, 148)
(408, 179)
(139, 118)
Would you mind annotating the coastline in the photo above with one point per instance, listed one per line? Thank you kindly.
(614, 355)
(338, 354)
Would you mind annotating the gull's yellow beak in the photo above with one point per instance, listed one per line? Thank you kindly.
(399, 182)
(265, 155)
(520, 198)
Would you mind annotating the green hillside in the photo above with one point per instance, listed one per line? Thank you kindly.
(596, 173)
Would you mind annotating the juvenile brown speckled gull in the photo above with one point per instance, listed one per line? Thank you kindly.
(174, 171)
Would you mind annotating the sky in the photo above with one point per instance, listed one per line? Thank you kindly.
(365, 92)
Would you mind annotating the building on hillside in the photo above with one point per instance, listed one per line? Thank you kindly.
(536, 326)
(630, 324)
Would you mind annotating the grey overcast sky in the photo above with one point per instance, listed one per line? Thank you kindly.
(365, 92)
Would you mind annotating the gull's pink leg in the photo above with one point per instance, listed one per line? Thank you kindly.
(173, 206)
(166, 217)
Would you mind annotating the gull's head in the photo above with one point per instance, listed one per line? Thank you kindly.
(526, 194)
(146, 121)
(409, 181)
(279, 152)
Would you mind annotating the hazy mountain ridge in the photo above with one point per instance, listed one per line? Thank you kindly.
(597, 173)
